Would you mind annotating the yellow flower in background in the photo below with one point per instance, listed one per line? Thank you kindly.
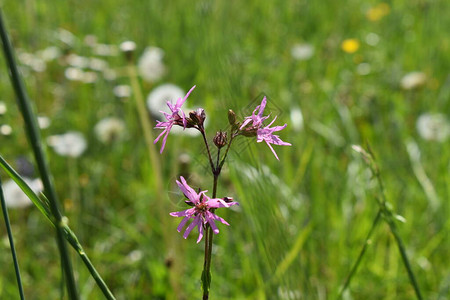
(377, 12)
(350, 45)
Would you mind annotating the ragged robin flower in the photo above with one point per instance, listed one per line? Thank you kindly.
(253, 126)
(173, 118)
(200, 213)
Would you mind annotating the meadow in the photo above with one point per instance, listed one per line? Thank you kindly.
(368, 73)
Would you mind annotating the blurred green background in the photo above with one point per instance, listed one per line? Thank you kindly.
(333, 71)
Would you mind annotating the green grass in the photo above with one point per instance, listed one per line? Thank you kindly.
(302, 221)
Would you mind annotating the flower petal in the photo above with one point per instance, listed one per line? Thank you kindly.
(191, 226)
(187, 190)
(200, 232)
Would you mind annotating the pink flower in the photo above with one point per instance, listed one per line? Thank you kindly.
(256, 119)
(266, 134)
(201, 210)
(262, 133)
(172, 119)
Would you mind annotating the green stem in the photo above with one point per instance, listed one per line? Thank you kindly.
(34, 137)
(361, 254)
(11, 243)
(73, 240)
(206, 274)
(393, 228)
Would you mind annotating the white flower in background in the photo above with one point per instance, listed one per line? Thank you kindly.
(302, 51)
(90, 40)
(89, 77)
(97, 64)
(122, 91)
(413, 80)
(3, 108)
(109, 130)
(43, 122)
(106, 50)
(74, 74)
(296, 118)
(127, 46)
(150, 65)
(32, 61)
(5, 129)
(70, 144)
(15, 197)
(158, 97)
(433, 127)
(49, 53)
(77, 61)
(372, 39)
(66, 36)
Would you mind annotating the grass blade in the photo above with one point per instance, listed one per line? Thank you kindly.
(11, 243)
(34, 138)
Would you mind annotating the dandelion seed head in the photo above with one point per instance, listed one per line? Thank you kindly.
(71, 144)
(5, 129)
(433, 127)
(122, 91)
(150, 64)
(3, 108)
(15, 197)
(109, 130)
(302, 51)
(413, 80)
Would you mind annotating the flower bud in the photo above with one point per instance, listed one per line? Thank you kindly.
(231, 117)
(197, 117)
(220, 139)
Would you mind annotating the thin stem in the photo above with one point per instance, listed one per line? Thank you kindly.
(206, 275)
(387, 213)
(361, 254)
(202, 130)
(11, 243)
(29, 117)
(226, 151)
(73, 241)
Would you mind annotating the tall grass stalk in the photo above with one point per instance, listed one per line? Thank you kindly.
(388, 215)
(367, 242)
(11, 243)
(42, 205)
(31, 127)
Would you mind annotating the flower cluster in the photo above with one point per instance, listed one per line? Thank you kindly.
(200, 213)
(251, 126)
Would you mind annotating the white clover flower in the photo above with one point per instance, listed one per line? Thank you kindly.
(302, 51)
(433, 127)
(15, 197)
(109, 130)
(71, 144)
(150, 65)
(413, 80)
